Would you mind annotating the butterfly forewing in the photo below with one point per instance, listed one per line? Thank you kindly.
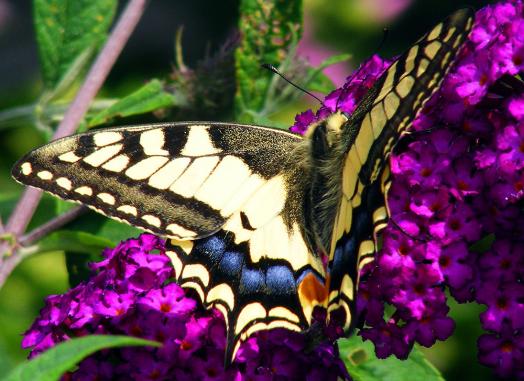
(177, 180)
(370, 133)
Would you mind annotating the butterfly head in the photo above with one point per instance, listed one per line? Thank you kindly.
(325, 134)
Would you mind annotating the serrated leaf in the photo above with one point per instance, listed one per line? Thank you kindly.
(66, 29)
(50, 365)
(363, 365)
(267, 29)
(148, 98)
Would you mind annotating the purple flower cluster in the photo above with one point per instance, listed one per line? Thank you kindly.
(130, 294)
(347, 97)
(456, 202)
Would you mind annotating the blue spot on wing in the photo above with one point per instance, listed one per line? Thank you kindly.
(280, 280)
(214, 243)
(231, 264)
(252, 281)
(213, 247)
(338, 256)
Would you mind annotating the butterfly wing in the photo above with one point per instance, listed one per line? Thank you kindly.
(229, 197)
(178, 180)
(373, 129)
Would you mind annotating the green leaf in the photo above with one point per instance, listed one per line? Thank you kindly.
(75, 69)
(6, 362)
(333, 60)
(268, 29)
(148, 98)
(483, 244)
(321, 83)
(45, 211)
(75, 241)
(80, 249)
(77, 265)
(262, 120)
(47, 114)
(67, 28)
(48, 208)
(50, 365)
(82, 240)
(363, 365)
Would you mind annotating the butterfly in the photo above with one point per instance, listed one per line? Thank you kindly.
(248, 211)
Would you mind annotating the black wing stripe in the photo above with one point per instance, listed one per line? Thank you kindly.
(176, 139)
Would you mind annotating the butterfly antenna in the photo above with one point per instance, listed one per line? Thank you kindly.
(275, 70)
(385, 34)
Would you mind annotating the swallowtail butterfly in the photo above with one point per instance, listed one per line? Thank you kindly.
(245, 219)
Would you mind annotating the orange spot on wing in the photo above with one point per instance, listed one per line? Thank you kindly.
(312, 291)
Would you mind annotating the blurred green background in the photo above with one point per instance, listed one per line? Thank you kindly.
(331, 26)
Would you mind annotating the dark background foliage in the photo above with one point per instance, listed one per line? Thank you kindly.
(348, 26)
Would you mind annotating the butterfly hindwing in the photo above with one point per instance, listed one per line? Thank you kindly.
(253, 294)
(372, 131)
